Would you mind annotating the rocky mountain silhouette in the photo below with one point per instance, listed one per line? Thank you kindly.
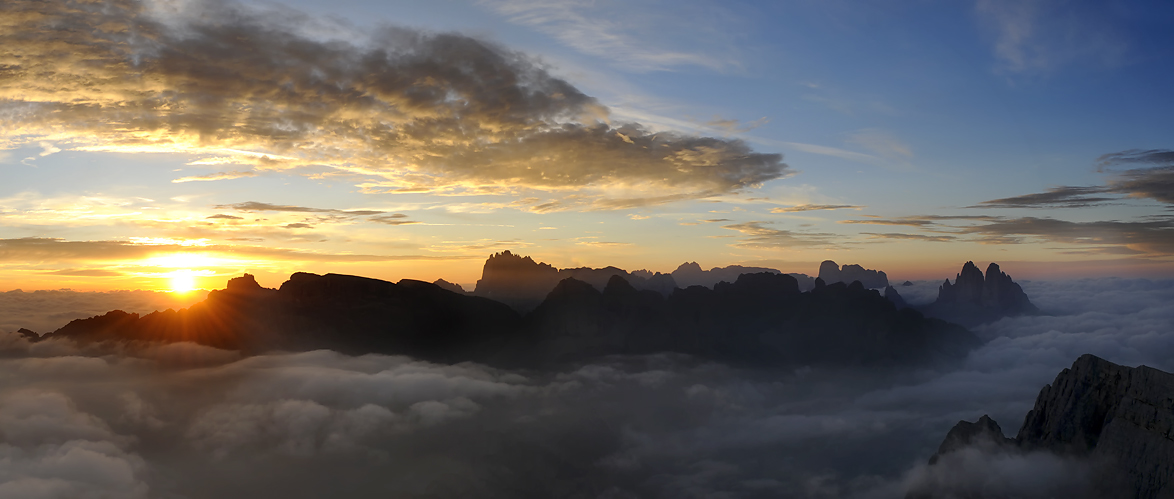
(523, 283)
(832, 273)
(349, 314)
(1118, 420)
(759, 319)
(975, 299)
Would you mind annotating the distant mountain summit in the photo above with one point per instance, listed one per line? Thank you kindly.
(523, 283)
(975, 299)
(832, 273)
(1118, 420)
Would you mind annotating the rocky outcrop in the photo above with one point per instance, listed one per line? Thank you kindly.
(451, 286)
(975, 299)
(691, 274)
(1118, 420)
(517, 281)
(523, 283)
(831, 273)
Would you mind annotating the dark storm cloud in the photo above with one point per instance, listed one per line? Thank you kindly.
(315, 424)
(417, 111)
(38, 249)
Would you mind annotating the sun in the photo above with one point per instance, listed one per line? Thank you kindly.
(183, 282)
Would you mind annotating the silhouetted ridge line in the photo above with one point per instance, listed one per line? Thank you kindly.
(523, 283)
(832, 273)
(760, 318)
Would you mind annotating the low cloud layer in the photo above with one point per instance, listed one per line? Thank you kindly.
(45, 311)
(188, 421)
(403, 110)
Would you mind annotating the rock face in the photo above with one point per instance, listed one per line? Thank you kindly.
(523, 283)
(871, 279)
(1118, 419)
(974, 299)
(759, 319)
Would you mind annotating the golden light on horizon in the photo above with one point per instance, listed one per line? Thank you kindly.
(183, 282)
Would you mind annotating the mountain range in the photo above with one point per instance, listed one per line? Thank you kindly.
(758, 318)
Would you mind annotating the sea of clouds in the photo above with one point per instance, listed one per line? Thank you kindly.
(188, 421)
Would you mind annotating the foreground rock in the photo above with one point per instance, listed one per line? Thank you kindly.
(760, 319)
(1115, 422)
(974, 299)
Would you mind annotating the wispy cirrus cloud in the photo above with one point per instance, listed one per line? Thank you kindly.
(815, 207)
(632, 36)
(758, 234)
(1043, 35)
(60, 250)
(215, 176)
(1154, 179)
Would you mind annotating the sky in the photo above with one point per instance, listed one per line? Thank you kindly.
(171, 144)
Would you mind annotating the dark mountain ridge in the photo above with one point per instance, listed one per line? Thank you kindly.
(974, 299)
(759, 319)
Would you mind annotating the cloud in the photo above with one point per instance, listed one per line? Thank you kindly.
(730, 125)
(627, 426)
(1153, 182)
(910, 237)
(760, 236)
(393, 219)
(253, 206)
(404, 110)
(222, 216)
(815, 207)
(39, 249)
(1056, 197)
(1151, 236)
(44, 311)
(622, 34)
(1044, 35)
(215, 176)
(882, 143)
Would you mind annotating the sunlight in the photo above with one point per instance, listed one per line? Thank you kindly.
(182, 260)
(183, 283)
